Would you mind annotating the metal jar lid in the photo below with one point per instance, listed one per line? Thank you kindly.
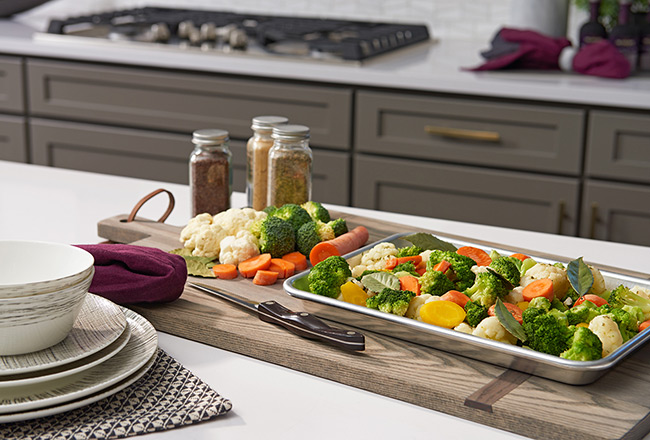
(290, 132)
(210, 136)
(266, 123)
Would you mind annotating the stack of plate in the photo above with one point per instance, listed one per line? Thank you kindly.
(108, 349)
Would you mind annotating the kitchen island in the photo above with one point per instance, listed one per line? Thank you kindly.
(43, 203)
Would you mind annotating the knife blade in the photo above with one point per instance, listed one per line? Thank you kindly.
(301, 323)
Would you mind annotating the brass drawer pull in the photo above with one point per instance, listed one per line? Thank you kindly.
(459, 133)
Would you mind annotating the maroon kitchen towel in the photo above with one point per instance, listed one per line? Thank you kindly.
(127, 274)
(601, 59)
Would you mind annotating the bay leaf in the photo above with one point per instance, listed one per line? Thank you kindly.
(508, 321)
(378, 281)
(580, 276)
(428, 241)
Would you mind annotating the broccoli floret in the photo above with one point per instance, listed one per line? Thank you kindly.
(325, 230)
(509, 270)
(623, 296)
(627, 323)
(277, 237)
(545, 332)
(391, 301)
(435, 283)
(294, 214)
(486, 289)
(339, 226)
(571, 297)
(409, 267)
(540, 302)
(584, 345)
(316, 211)
(475, 313)
(581, 313)
(460, 264)
(327, 277)
(256, 227)
(409, 251)
(559, 305)
(636, 313)
(307, 237)
(270, 209)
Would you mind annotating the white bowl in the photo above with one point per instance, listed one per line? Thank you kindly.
(36, 267)
(33, 323)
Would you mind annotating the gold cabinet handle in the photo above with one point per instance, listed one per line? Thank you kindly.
(459, 133)
(593, 220)
(560, 218)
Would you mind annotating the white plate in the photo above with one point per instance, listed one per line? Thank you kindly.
(135, 354)
(99, 324)
(58, 409)
(68, 369)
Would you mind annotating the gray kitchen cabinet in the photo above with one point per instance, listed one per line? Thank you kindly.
(616, 212)
(469, 131)
(12, 139)
(458, 192)
(618, 146)
(11, 85)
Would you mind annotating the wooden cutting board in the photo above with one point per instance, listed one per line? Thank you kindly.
(617, 406)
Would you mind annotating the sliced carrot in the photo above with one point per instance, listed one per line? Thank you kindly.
(644, 325)
(298, 259)
(393, 262)
(265, 277)
(225, 271)
(409, 282)
(249, 267)
(443, 266)
(455, 296)
(542, 287)
(284, 268)
(420, 265)
(420, 270)
(514, 310)
(341, 245)
(519, 256)
(481, 257)
(591, 297)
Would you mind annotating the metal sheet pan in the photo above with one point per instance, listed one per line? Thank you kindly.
(504, 355)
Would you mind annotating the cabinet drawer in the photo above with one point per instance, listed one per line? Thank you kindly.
(12, 139)
(455, 192)
(184, 102)
(11, 85)
(474, 132)
(619, 146)
(616, 212)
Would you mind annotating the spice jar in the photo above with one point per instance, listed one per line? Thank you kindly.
(290, 162)
(257, 159)
(210, 176)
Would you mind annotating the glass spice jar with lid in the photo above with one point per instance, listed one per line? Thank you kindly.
(210, 175)
(290, 166)
(257, 159)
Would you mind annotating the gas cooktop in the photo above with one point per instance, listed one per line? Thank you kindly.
(222, 32)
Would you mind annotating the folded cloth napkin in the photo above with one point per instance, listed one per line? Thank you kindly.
(601, 59)
(127, 274)
(523, 49)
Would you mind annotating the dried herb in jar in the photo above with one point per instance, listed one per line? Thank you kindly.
(290, 165)
(210, 176)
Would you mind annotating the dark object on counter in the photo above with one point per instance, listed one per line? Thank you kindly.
(644, 44)
(625, 35)
(210, 176)
(601, 59)
(127, 274)
(11, 7)
(593, 30)
(523, 49)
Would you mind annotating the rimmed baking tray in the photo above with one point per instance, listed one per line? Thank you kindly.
(504, 355)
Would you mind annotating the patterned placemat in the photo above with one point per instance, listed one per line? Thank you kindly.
(168, 396)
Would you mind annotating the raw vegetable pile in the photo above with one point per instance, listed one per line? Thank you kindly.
(264, 245)
(560, 310)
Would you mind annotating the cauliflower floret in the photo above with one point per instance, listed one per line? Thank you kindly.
(426, 254)
(193, 227)
(207, 242)
(234, 220)
(599, 282)
(556, 274)
(607, 331)
(478, 269)
(491, 328)
(237, 248)
(427, 299)
(413, 311)
(375, 258)
(641, 291)
(514, 296)
(464, 327)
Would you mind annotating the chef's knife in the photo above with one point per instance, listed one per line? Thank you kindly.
(300, 323)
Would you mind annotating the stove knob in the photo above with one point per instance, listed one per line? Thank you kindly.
(160, 32)
(194, 36)
(184, 28)
(208, 32)
(223, 32)
(238, 39)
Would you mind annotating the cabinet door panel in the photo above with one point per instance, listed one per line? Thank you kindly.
(11, 85)
(616, 212)
(12, 139)
(454, 192)
(331, 177)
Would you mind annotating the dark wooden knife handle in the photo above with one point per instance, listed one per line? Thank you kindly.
(309, 326)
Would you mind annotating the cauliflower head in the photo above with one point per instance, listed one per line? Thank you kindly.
(375, 258)
(641, 291)
(207, 242)
(464, 327)
(599, 282)
(514, 296)
(413, 311)
(234, 220)
(557, 274)
(491, 328)
(607, 331)
(193, 227)
(237, 248)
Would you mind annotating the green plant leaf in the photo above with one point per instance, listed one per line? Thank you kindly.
(378, 281)
(196, 266)
(508, 321)
(429, 242)
(580, 276)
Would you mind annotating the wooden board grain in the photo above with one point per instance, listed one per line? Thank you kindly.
(614, 407)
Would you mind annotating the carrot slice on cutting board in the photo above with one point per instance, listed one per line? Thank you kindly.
(249, 267)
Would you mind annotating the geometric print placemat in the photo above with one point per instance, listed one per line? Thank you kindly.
(168, 396)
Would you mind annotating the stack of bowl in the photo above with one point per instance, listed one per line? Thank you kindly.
(42, 289)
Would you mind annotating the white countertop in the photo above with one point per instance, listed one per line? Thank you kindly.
(435, 66)
(51, 204)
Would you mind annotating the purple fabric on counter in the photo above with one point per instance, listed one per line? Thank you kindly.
(127, 274)
(601, 59)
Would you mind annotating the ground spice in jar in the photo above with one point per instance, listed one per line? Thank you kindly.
(290, 165)
(210, 177)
